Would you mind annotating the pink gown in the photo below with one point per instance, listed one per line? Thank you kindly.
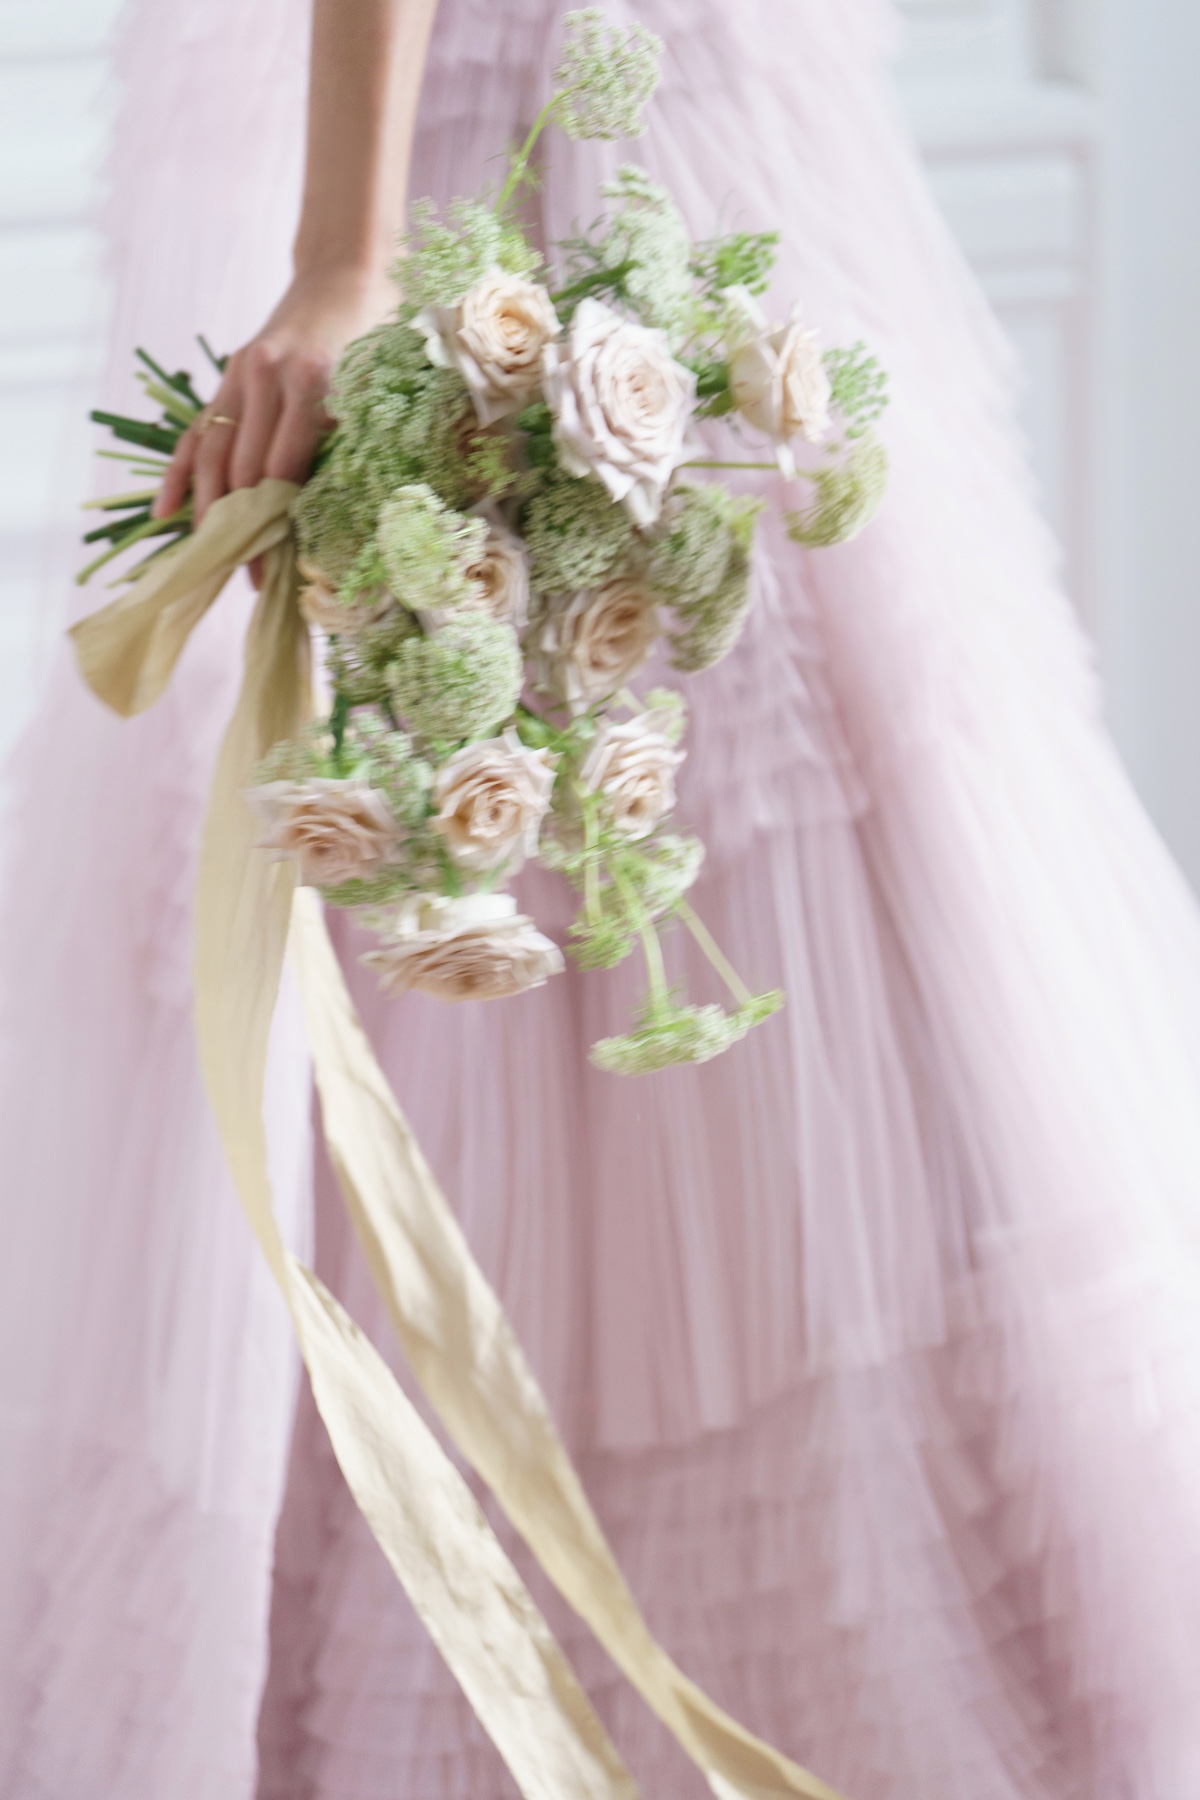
(878, 1340)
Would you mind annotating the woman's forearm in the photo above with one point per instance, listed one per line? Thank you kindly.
(368, 58)
(267, 416)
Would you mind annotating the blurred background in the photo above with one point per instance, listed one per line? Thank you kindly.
(1062, 138)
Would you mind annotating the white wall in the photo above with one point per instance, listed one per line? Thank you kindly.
(53, 122)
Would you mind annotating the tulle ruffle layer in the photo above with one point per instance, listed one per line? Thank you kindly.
(874, 1572)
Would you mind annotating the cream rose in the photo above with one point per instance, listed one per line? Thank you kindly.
(494, 337)
(321, 607)
(478, 948)
(776, 376)
(501, 577)
(491, 799)
(632, 765)
(621, 405)
(336, 830)
(589, 647)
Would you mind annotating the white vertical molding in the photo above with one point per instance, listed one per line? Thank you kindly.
(1144, 56)
(1010, 145)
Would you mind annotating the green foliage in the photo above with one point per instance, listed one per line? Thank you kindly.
(365, 580)
(702, 566)
(390, 762)
(299, 758)
(648, 240)
(441, 260)
(625, 885)
(858, 387)
(576, 535)
(848, 493)
(358, 664)
(740, 259)
(330, 528)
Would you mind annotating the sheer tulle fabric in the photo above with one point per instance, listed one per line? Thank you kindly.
(877, 1340)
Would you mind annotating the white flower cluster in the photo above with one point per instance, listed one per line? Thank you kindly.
(502, 536)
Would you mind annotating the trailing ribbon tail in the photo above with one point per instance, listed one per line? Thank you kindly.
(465, 1354)
(450, 1323)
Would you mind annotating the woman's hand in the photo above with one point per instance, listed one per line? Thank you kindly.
(268, 415)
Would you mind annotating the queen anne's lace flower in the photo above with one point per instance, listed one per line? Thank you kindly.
(440, 260)
(460, 683)
(847, 496)
(686, 1034)
(648, 238)
(710, 626)
(605, 76)
(391, 764)
(575, 534)
(426, 550)
(622, 406)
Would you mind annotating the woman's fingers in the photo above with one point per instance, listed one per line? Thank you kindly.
(214, 433)
(173, 492)
(262, 405)
(210, 477)
(303, 421)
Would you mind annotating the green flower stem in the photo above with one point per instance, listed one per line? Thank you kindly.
(595, 280)
(591, 878)
(712, 379)
(714, 953)
(337, 724)
(656, 973)
(136, 431)
(451, 879)
(175, 526)
(180, 383)
(173, 406)
(655, 970)
(218, 362)
(144, 461)
(114, 502)
(707, 463)
(520, 163)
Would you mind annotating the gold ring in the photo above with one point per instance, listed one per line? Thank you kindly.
(208, 419)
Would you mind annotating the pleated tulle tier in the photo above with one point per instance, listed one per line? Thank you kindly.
(877, 1341)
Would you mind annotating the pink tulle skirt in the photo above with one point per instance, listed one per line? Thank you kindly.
(878, 1340)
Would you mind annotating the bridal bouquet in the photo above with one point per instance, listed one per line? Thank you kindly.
(510, 520)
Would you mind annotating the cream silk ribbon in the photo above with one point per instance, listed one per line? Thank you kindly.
(453, 1330)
